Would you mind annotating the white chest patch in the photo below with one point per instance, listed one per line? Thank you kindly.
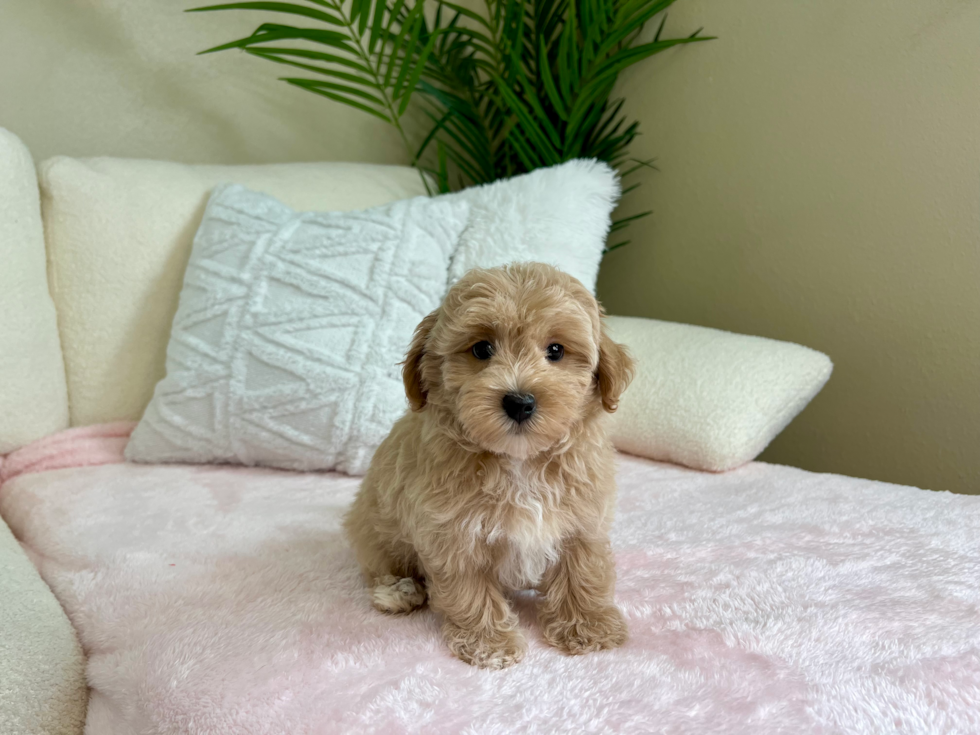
(526, 533)
(526, 560)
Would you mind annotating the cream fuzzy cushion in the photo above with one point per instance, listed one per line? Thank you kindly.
(709, 399)
(286, 346)
(119, 234)
(42, 667)
(33, 398)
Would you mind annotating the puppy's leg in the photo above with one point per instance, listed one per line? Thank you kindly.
(393, 594)
(392, 572)
(479, 626)
(390, 568)
(577, 614)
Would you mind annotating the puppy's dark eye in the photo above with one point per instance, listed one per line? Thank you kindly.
(555, 353)
(482, 350)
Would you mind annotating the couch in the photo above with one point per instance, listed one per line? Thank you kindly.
(212, 599)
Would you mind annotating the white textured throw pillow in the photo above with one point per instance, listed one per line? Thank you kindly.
(285, 347)
(709, 399)
(119, 234)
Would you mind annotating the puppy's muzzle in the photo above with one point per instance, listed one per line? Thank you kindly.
(519, 406)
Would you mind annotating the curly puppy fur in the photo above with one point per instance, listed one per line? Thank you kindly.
(464, 503)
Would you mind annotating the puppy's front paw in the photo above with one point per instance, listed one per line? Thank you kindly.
(587, 631)
(394, 595)
(487, 649)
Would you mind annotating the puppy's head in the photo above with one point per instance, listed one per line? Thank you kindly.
(519, 356)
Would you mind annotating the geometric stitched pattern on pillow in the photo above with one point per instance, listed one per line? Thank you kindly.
(286, 345)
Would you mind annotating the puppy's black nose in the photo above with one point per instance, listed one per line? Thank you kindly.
(519, 406)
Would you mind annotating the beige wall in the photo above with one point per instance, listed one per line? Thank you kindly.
(120, 78)
(820, 182)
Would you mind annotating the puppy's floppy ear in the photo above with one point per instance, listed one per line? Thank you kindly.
(615, 370)
(415, 387)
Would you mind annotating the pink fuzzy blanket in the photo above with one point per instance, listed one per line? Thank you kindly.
(765, 600)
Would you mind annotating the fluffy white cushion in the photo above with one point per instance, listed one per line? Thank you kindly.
(709, 399)
(286, 345)
(33, 398)
(557, 215)
(119, 234)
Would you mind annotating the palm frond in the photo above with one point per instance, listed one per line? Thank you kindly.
(525, 84)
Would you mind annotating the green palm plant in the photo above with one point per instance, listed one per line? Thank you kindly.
(521, 85)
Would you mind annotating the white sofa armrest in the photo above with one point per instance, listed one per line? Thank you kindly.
(42, 667)
(709, 399)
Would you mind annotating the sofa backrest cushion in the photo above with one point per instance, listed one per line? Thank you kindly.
(119, 234)
(33, 399)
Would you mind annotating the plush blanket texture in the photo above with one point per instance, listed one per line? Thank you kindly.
(765, 600)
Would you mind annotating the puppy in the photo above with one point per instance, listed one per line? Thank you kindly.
(501, 477)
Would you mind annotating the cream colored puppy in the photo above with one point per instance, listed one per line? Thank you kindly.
(501, 477)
